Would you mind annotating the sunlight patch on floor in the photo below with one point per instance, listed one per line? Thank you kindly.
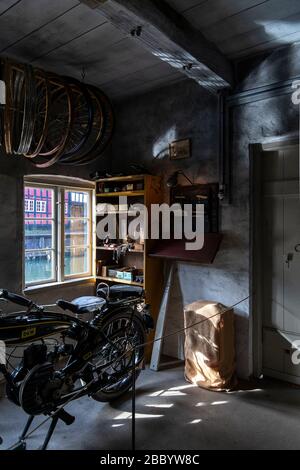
(172, 393)
(167, 393)
(182, 387)
(156, 394)
(127, 415)
(246, 391)
(162, 405)
(219, 402)
(213, 403)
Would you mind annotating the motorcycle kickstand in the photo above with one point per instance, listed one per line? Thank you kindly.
(65, 417)
(49, 432)
(26, 428)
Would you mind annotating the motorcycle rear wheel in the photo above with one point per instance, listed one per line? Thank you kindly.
(126, 331)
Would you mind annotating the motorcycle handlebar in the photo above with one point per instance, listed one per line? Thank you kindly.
(15, 298)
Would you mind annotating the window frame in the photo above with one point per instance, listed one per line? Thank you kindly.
(58, 233)
(62, 233)
(54, 237)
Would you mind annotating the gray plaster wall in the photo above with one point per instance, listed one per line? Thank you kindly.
(145, 126)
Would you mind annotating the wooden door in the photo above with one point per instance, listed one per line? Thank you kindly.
(281, 263)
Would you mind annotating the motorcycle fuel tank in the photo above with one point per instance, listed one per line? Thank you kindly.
(21, 328)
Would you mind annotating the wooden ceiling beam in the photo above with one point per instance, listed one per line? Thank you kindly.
(168, 36)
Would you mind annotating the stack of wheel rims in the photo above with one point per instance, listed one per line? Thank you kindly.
(50, 119)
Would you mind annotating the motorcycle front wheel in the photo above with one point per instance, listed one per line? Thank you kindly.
(124, 332)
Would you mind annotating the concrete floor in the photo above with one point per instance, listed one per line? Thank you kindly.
(172, 414)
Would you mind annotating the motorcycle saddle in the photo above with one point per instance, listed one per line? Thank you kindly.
(118, 293)
(86, 304)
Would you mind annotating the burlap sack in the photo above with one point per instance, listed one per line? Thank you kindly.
(209, 346)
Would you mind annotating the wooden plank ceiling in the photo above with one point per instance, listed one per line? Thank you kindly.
(243, 27)
(68, 37)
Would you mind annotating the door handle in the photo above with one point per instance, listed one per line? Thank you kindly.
(297, 248)
(288, 258)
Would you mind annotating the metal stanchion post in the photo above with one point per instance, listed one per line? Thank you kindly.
(133, 403)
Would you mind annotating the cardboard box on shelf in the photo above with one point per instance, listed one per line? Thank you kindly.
(106, 269)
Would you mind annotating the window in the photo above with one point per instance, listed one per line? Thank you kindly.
(76, 233)
(41, 206)
(57, 234)
(29, 205)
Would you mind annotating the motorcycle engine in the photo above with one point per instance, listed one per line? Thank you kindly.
(38, 386)
(34, 354)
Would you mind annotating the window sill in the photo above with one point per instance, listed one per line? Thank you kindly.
(54, 285)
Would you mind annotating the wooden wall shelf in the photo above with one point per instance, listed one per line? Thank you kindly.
(125, 179)
(121, 193)
(104, 248)
(148, 189)
(119, 281)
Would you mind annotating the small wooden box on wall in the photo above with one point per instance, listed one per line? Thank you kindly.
(174, 249)
(206, 194)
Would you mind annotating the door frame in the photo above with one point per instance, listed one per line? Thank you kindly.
(256, 272)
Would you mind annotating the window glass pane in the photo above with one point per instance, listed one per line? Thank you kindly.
(76, 203)
(38, 234)
(39, 266)
(38, 202)
(76, 261)
(76, 232)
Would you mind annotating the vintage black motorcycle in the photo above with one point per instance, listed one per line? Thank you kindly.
(96, 350)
